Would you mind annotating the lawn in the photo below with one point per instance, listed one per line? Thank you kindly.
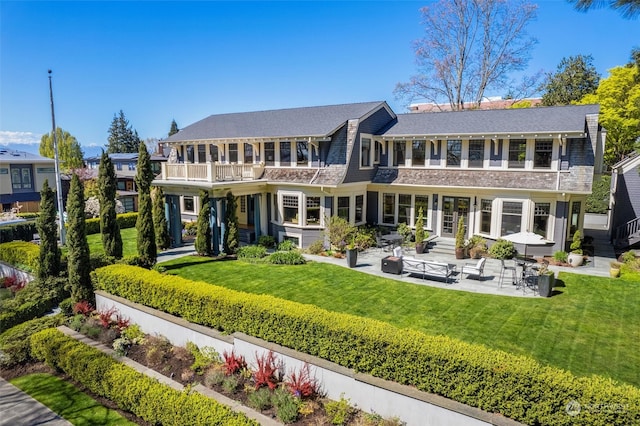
(67, 401)
(129, 242)
(591, 327)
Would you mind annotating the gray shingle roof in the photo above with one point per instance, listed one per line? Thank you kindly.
(308, 121)
(479, 122)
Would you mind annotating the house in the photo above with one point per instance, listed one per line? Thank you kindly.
(22, 175)
(625, 202)
(503, 171)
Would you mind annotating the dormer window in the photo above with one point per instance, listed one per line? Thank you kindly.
(365, 152)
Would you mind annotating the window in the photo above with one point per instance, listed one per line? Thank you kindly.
(118, 166)
(422, 201)
(190, 153)
(243, 204)
(290, 208)
(188, 204)
(454, 153)
(365, 152)
(343, 207)
(233, 152)
(202, 153)
(269, 153)
(542, 157)
(359, 208)
(485, 216)
(313, 210)
(399, 149)
(517, 153)
(404, 208)
(575, 217)
(302, 153)
(132, 166)
(285, 153)
(511, 217)
(127, 203)
(120, 185)
(418, 153)
(377, 152)
(476, 153)
(213, 152)
(21, 178)
(389, 208)
(541, 218)
(248, 153)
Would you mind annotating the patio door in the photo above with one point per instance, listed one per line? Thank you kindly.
(452, 209)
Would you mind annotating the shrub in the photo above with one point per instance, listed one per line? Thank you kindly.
(214, 376)
(230, 383)
(202, 358)
(125, 220)
(287, 245)
(560, 256)
(265, 374)
(316, 247)
(502, 249)
(66, 306)
(23, 255)
(286, 405)
(405, 231)
(83, 307)
(100, 259)
(35, 300)
(301, 384)
(576, 243)
(22, 231)
(629, 256)
(252, 252)
(339, 412)
(14, 343)
(259, 399)
(266, 241)
(286, 258)
(190, 228)
(233, 363)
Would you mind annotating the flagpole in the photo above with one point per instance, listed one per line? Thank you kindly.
(55, 157)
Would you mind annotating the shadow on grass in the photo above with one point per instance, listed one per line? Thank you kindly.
(195, 260)
(559, 284)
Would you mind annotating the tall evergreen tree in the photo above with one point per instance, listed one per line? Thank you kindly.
(203, 233)
(174, 128)
(163, 241)
(232, 235)
(77, 247)
(147, 249)
(121, 137)
(575, 77)
(109, 228)
(48, 230)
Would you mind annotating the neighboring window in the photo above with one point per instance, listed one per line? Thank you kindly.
(511, 217)
(343, 207)
(476, 153)
(202, 153)
(418, 149)
(269, 153)
(421, 201)
(541, 218)
(485, 219)
(302, 153)
(454, 153)
(399, 149)
(389, 208)
(517, 153)
(365, 152)
(285, 153)
(233, 152)
(377, 152)
(313, 210)
(290, 208)
(542, 157)
(359, 208)
(213, 152)
(248, 153)
(132, 166)
(190, 153)
(21, 178)
(120, 185)
(118, 166)
(575, 218)
(404, 208)
(188, 204)
(127, 203)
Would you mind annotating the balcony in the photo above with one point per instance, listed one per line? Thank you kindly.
(211, 172)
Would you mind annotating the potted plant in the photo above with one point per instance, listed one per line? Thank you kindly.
(420, 233)
(614, 269)
(460, 239)
(546, 280)
(352, 252)
(476, 246)
(576, 257)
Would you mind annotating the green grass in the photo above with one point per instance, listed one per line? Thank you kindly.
(590, 327)
(67, 401)
(129, 243)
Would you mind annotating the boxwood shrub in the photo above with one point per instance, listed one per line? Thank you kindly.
(125, 220)
(131, 390)
(21, 254)
(14, 343)
(22, 231)
(515, 386)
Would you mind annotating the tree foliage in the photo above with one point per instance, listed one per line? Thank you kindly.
(231, 240)
(147, 249)
(203, 234)
(469, 47)
(48, 231)
(174, 128)
(163, 240)
(70, 153)
(109, 227)
(121, 136)
(77, 246)
(598, 200)
(575, 77)
(628, 8)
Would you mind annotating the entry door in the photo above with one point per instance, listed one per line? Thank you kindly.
(452, 209)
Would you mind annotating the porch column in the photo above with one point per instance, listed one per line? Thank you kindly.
(256, 216)
(213, 222)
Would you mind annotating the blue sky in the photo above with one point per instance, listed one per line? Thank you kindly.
(159, 61)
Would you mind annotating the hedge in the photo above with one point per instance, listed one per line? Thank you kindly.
(14, 343)
(518, 387)
(21, 253)
(22, 231)
(125, 220)
(35, 300)
(131, 390)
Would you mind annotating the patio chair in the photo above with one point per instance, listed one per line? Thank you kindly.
(508, 269)
(474, 269)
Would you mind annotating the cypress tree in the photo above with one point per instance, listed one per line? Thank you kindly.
(77, 246)
(48, 230)
(232, 236)
(109, 228)
(147, 249)
(203, 233)
(163, 241)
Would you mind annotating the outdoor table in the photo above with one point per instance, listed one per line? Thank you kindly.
(529, 266)
(394, 239)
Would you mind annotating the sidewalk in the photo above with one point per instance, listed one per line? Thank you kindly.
(19, 409)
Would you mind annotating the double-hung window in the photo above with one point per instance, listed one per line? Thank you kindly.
(233, 152)
(269, 153)
(389, 209)
(285, 153)
(359, 208)
(542, 157)
(485, 216)
(476, 153)
(202, 153)
(313, 210)
(399, 149)
(343, 208)
(290, 208)
(511, 217)
(517, 153)
(454, 153)
(365, 152)
(418, 150)
(248, 153)
(302, 153)
(541, 218)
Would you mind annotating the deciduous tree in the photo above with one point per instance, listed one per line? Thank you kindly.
(109, 228)
(147, 249)
(121, 136)
(69, 151)
(163, 241)
(575, 77)
(203, 233)
(470, 47)
(48, 231)
(77, 246)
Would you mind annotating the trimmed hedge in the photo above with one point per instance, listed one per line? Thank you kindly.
(21, 253)
(132, 391)
(22, 231)
(517, 387)
(14, 343)
(125, 220)
(35, 300)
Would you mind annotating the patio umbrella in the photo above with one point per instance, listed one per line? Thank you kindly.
(527, 238)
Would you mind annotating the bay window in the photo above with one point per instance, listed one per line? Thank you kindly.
(343, 207)
(290, 208)
(389, 209)
(511, 217)
(313, 210)
(359, 209)
(541, 213)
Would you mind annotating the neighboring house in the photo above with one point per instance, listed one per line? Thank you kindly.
(504, 171)
(625, 202)
(21, 178)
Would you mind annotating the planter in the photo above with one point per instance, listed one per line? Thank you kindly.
(575, 259)
(420, 248)
(460, 253)
(352, 258)
(545, 284)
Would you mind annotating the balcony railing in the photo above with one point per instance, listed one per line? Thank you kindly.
(211, 172)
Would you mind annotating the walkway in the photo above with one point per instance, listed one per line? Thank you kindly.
(19, 409)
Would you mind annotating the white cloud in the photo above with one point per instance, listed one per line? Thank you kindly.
(18, 138)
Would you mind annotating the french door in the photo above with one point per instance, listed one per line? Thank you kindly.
(452, 209)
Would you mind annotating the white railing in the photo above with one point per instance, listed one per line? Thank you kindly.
(211, 172)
